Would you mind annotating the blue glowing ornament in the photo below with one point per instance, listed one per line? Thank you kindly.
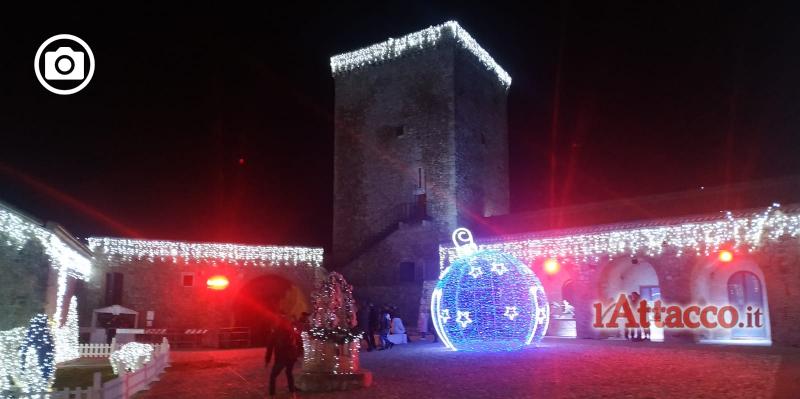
(488, 301)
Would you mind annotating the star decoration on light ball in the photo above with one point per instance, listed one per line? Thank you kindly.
(511, 312)
(444, 315)
(463, 318)
(475, 271)
(499, 268)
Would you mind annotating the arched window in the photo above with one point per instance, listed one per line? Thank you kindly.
(744, 289)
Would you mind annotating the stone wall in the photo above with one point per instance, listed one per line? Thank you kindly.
(24, 280)
(376, 275)
(481, 142)
(780, 263)
(157, 286)
(391, 120)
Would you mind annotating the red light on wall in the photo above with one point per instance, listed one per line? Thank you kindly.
(725, 256)
(217, 283)
(551, 266)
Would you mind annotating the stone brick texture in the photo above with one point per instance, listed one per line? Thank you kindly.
(158, 286)
(24, 281)
(375, 170)
(436, 109)
(375, 274)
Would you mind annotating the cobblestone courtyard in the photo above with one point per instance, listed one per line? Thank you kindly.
(559, 368)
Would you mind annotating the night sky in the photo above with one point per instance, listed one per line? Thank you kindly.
(219, 127)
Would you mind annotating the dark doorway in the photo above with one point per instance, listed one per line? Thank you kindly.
(262, 301)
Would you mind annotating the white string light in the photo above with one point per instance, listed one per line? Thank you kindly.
(130, 357)
(17, 231)
(10, 342)
(747, 232)
(426, 38)
(67, 335)
(152, 250)
(35, 373)
(501, 309)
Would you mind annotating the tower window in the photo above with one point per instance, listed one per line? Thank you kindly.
(400, 131)
(483, 139)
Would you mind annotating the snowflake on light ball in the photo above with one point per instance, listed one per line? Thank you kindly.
(488, 301)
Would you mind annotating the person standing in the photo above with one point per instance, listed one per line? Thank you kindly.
(374, 324)
(288, 347)
(634, 334)
(270, 344)
(385, 326)
(364, 325)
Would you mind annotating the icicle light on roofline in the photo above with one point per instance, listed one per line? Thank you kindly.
(702, 238)
(152, 250)
(395, 48)
(16, 232)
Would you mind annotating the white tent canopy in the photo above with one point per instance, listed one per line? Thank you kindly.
(115, 310)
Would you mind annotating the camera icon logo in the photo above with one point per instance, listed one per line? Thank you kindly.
(67, 66)
(63, 64)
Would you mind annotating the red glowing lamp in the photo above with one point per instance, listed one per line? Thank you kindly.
(218, 283)
(551, 266)
(725, 256)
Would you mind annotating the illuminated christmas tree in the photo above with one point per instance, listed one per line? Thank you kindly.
(67, 335)
(330, 347)
(334, 312)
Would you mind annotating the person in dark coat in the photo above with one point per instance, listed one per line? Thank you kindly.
(270, 343)
(364, 325)
(374, 324)
(288, 347)
(385, 327)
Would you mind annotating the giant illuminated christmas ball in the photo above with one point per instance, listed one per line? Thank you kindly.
(488, 301)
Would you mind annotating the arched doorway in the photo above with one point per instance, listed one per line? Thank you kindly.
(747, 295)
(563, 323)
(628, 275)
(738, 283)
(262, 301)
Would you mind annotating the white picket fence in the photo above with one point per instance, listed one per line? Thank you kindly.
(97, 350)
(103, 350)
(125, 385)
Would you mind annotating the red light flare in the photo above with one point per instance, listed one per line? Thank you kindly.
(551, 266)
(217, 283)
(725, 256)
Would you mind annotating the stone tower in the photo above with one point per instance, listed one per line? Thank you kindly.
(421, 147)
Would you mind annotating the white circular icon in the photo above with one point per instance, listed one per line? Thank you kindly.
(64, 64)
